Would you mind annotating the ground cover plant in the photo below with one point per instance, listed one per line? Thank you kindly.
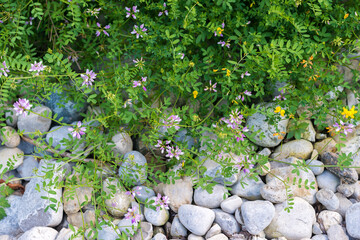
(179, 79)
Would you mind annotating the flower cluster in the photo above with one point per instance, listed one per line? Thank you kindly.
(244, 164)
(78, 130)
(172, 121)
(211, 87)
(280, 135)
(308, 62)
(234, 123)
(279, 110)
(280, 96)
(342, 127)
(174, 152)
(245, 74)
(140, 83)
(98, 32)
(349, 113)
(37, 68)
(133, 215)
(133, 192)
(162, 202)
(219, 30)
(88, 77)
(223, 43)
(30, 21)
(139, 31)
(195, 93)
(139, 63)
(21, 106)
(165, 11)
(94, 12)
(242, 96)
(131, 11)
(162, 145)
(4, 69)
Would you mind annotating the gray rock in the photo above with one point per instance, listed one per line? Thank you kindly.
(133, 168)
(352, 219)
(9, 137)
(11, 117)
(320, 237)
(316, 229)
(274, 191)
(156, 218)
(296, 224)
(195, 237)
(34, 122)
(319, 169)
(32, 212)
(257, 215)
(328, 180)
(12, 157)
(142, 193)
(259, 121)
(119, 201)
(300, 149)
(196, 219)
(39, 233)
(344, 204)
(26, 147)
(66, 234)
(177, 229)
(210, 200)
(9, 224)
(184, 137)
(145, 232)
(346, 189)
(230, 204)
(328, 218)
(60, 135)
(356, 193)
(65, 108)
(247, 188)
(107, 233)
(159, 236)
(179, 193)
(214, 230)
(27, 168)
(336, 232)
(123, 144)
(346, 175)
(82, 220)
(219, 237)
(328, 199)
(265, 152)
(227, 222)
(127, 227)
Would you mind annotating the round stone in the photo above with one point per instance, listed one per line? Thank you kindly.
(10, 137)
(12, 157)
(119, 201)
(156, 217)
(319, 169)
(210, 200)
(328, 199)
(328, 180)
(227, 222)
(230, 204)
(257, 215)
(34, 122)
(328, 218)
(133, 168)
(123, 143)
(352, 219)
(196, 219)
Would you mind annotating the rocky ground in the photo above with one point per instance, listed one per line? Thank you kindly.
(329, 210)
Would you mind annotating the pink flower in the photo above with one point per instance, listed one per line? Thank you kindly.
(342, 126)
(94, 12)
(98, 32)
(162, 145)
(21, 106)
(88, 77)
(37, 67)
(242, 163)
(4, 69)
(140, 83)
(162, 202)
(133, 192)
(131, 12)
(78, 130)
(182, 55)
(245, 74)
(172, 121)
(132, 214)
(139, 31)
(165, 11)
(173, 152)
(222, 43)
(211, 87)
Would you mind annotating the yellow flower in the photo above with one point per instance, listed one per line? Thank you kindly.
(219, 30)
(349, 113)
(277, 109)
(346, 16)
(223, 69)
(195, 93)
(191, 64)
(215, 70)
(228, 72)
(282, 112)
(291, 116)
(252, 4)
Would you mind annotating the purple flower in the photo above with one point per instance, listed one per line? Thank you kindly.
(171, 122)
(222, 43)
(140, 83)
(4, 69)
(78, 130)
(30, 21)
(139, 63)
(133, 192)
(245, 74)
(131, 12)
(98, 32)
(37, 67)
(162, 202)
(133, 215)
(94, 12)
(139, 31)
(248, 93)
(173, 152)
(88, 77)
(182, 55)
(21, 106)
(342, 126)
(165, 11)
(162, 145)
(1, 21)
(211, 87)
(242, 163)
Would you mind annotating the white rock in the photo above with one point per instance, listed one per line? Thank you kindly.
(257, 215)
(274, 190)
(33, 122)
(248, 188)
(145, 232)
(328, 180)
(195, 237)
(320, 237)
(210, 200)
(196, 219)
(316, 166)
(336, 232)
(66, 234)
(352, 219)
(214, 230)
(12, 156)
(156, 218)
(9, 137)
(328, 199)
(296, 224)
(119, 202)
(230, 204)
(300, 149)
(344, 204)
(227, 222)
(219, 237)
(123, 143)
(177, 229)
(328, 218)
(39, 233)
(179, 193)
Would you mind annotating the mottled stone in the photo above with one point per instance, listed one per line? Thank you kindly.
(227, 222)
(133, 168)
(315, 166)
(145, 231)
(346, 175)
(328, 180)
(180, 193)
(9, 137)
(35, 121)
(336, 232)
(257, 215)
(326, 145)
(177, 229)
(123, 143)
(39, 233)
(352, 219)
(327, 218)
(247, 187)
(119, 201)
(328, 199)
(79, 219)
(300, 149)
